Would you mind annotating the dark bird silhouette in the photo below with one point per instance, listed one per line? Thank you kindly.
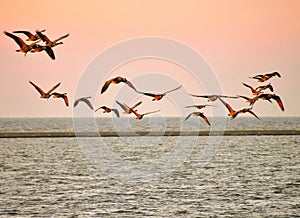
(233, 113)
(23, 46)
(85, 100)
(200, 106)
(117, 80)
(43, 94)
(140, 116)
(268, 86)
(48, 41)
(198, 114)
(213, 97)
(31, 37)
(268, 97)
(254, 91)
(40, 48)
(157, 97)
(265, 77)
(108, 110)
(128, 110)
(61, 95)
(251, 101)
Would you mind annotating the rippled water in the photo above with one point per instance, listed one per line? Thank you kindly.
(249, 176)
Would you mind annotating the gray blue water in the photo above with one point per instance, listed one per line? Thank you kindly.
(249, 176)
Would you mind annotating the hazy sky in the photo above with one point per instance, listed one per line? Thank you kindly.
(238, 39)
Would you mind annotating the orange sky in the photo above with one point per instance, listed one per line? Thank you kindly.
(237, 38)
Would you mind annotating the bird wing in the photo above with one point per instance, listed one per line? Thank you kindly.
(226, 96)
(76, 103)
(279, 102)
(204, 118)
(277, 74)
(105, 86)
(66, 100)
(88, 103)
(227, 106)
(148, 94)
(188, 116)
(62, 37)
(124, 107)
(116, 112)
(172, 90)
(53, 88)
(244, 97)
(201, 96)
(251, 112)
(37, 88)
(190, 106)
(17, 39)
(27, 33)
(137, 104)
(131, 85)
(151, 112)
(43, 37)
(50, 52)
(250, 87)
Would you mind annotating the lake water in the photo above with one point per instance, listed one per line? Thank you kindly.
(249, 176)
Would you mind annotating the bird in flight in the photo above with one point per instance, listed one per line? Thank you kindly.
(198, 114)
(268, 97)
(157, 97)
(23, 46)
(268, 86)
(117, 80)
(251, 101)
(43, 94)
(85, 100)
(213, 97)
(31, 37)
(48, 41)
(233, 113)
(108, 110)
(61, 95)
(127, 109)
(254, 91)
(265, 77)
(200, 106)
(40, 48)
(140, 116)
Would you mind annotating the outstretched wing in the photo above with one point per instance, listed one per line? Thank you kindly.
(123, 106)
(250, 87)
(148, 94)
(43, 37)
(27, 33)
(172, 90)
(18, 40)
(105, 86)
(188, 116)
(204, 118)
(151, 112)
(53, 88)
(279, 102)
(62, 37)
(88, 103)
(229, 108)
(37, 88)
(116, 112)
(66, 100)
(50, 52)
(131, 85)
(137, 104)
(251, 112)
(200, 96)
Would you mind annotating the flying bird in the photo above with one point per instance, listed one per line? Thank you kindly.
(213, 97)
(108, 110)
(251, 101)
(140, 116)
(60, 95)
(48, 41)
(265, 77)
(157, 97)
(31, 37)
(233, 113)
(85, 100)
(128, 110)
(23, 46)
(198, 114)
(200, 106)
(268, 97)
(43, 94)
(117, 80)
(40, 48)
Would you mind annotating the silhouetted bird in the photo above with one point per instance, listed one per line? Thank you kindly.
(61, 95)
(157, 97)
(108, 110)
(198, 114)
(127, 109)
(265, 77)
(43, 94)
(213, 97)
(48, 41)
(85, 100)
(117, 80)
(268, 97)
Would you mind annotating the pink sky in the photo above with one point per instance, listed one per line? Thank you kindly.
(237, 38)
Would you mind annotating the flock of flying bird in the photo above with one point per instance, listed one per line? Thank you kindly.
(257, 93)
